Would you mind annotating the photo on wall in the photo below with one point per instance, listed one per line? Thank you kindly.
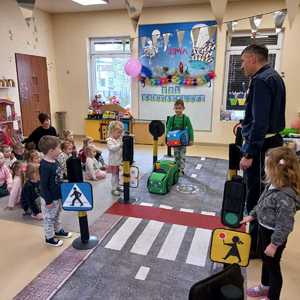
(178, 62)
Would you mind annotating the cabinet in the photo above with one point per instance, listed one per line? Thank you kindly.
(10, 131)
(98, 129)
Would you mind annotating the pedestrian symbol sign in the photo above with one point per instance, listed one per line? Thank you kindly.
(77, 196)
(230, 246)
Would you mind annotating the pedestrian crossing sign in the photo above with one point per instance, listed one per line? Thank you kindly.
(230, 246)
(77, 196)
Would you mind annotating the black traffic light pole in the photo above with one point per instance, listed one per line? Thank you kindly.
(128, 151)
(85, 241)
(156, 129)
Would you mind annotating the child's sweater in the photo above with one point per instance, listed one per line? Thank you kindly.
(62, 159)
(15, 193)
(92, 166)
(275, 210)
(115, 148)
(5, 176)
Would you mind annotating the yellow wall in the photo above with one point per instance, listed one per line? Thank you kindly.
(68, 35)
(12, 19)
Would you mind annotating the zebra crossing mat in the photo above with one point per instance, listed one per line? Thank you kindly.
(156, 253)
(160, 248)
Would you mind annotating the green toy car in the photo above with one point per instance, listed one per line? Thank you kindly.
(165, 174)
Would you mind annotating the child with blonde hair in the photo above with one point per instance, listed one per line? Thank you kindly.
(115, 148)
(92, 166)
(87, 141)
(69, 137)
(66, 152)
(275, 213)
(18, 180)
(30, 197)
(33, 156)
(5, 177)
(9, 158)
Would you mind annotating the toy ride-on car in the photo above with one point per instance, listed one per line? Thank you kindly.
(164, 175)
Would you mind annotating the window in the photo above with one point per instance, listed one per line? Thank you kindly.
(236, 84)
(108, 57)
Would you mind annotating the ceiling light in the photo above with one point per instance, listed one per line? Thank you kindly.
(90, 2)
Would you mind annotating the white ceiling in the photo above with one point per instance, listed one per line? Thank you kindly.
(64, 6)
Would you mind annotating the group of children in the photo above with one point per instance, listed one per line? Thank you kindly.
(44, 172)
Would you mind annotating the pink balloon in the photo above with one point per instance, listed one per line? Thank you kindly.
(133, 67)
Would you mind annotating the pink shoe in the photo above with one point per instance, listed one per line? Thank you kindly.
(266, 298)
(258, 291)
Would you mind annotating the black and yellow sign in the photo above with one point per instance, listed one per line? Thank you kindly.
(230, 246)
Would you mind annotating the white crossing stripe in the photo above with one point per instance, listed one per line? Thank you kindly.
(123, 233)
(147, 238)
(145, 204)
(187, 210)
(165, 206)
(142, 273)
(199, 247)
(208, 213)
(194, 175)
(198, 167)
(172, 242)
(203, 158)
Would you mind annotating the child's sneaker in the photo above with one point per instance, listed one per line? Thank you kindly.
(54, 242)
(116, 193)
(63, 234)
(258, 291)
(120, 189)
(38, 216)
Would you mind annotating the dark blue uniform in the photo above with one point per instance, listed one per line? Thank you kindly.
(264, 119)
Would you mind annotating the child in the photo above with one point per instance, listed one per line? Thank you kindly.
(5, 177)
(66, 148)
(86, 142)
(30, 197)
(19, 151)
(179, 122)
(92, 166)
(68, 137)
(275, 213)
(50, 178)
(33, 156)
(9, 158)
(114, 145)
(15, 193)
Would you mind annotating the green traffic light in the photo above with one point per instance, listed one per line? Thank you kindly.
(231, 218)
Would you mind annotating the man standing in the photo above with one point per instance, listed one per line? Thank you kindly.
(264, 119)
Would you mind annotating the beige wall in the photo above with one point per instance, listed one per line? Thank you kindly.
(23, 41)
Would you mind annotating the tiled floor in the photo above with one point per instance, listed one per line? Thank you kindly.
(23, 254)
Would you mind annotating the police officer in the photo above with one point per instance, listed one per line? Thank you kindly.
(264, 119)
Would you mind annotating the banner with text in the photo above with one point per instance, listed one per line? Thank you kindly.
(178, 62)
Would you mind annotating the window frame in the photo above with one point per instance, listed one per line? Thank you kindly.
(237, 50)
(104, 54)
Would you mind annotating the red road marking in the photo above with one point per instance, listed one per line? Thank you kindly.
(167, 216)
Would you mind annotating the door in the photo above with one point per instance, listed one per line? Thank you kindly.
(33, 89)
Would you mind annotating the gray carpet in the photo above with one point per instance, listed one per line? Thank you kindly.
(110, 274)
(209, 181)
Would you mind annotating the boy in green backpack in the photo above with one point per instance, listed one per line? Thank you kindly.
(180, 122)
